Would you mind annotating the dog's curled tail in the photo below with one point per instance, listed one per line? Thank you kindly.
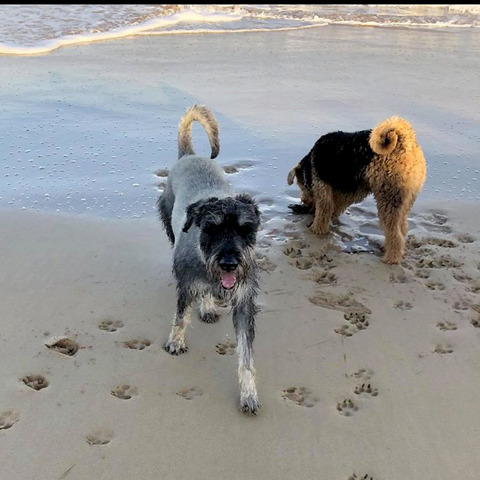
(392, 133)
(201, 114)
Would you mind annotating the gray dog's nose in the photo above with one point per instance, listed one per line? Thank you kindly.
(228, 264)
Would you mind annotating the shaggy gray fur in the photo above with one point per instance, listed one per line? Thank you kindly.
(213, 233)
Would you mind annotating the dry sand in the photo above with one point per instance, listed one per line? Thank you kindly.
(363, 368)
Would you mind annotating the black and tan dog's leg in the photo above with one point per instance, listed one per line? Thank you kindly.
(407, 208)
(176, 341)
(393, 220)
(244, 323)
(324, 208)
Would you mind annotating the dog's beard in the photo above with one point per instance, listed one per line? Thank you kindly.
(228, 280)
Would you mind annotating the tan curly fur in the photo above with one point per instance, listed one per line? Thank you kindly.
(400, 172)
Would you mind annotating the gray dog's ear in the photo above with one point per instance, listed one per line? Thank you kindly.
(192, 214)
(248, 200)
(195, 212)
(245, 198)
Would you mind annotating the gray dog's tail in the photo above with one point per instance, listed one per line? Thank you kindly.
(392, 133)
(201, 114)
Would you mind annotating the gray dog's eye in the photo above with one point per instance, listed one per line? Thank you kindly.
(246, 227)
(211, 226)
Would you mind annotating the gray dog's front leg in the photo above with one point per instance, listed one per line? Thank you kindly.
(176, 341)
(244, 323)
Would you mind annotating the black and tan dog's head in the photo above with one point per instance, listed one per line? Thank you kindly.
(302, 173)
(228, 233)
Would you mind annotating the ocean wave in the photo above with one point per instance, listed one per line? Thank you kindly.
(36, 29)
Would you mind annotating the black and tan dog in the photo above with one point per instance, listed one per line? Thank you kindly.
(343, 168)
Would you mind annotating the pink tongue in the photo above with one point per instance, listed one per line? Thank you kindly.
(228, 280)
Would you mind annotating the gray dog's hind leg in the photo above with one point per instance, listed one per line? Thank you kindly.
(244, 323)
(165, 207)
(176, 341)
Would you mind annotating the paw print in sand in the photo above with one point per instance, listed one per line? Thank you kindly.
(461, 305)
(303, 263)
(346, 407)
(358, 321)
(431, 285)
(99, 437)
(264, 263)
(439, 262)
(8, 419)
(461, 277)
(344, 303)
(293, 252)
(474, 287)
(346, 330)
(360, 477)
(363, 373)
(366, 389)
(300, 395)
(110, 325)
(229, 169)
(443, 349)
(399, 277)
(447, 325)
(124, 392)
(422, 273)
(403, 305)
(225, 348)
(190, 393)
(299, 243)
(63, 345)
(440, 242)
(137, 344)
(325, 278)
(466, 238)
(37, 382)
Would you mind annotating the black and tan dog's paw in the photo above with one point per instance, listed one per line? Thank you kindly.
(319, 230)
(301, 209)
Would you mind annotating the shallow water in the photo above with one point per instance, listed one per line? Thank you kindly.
(29, 29)
(86, 129)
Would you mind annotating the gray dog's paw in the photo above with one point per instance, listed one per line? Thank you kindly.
(210, 317)
(174, 348)
(249, 405)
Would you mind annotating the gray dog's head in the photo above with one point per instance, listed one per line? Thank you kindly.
(228, 233)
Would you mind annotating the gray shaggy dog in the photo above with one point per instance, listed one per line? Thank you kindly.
(213, 233)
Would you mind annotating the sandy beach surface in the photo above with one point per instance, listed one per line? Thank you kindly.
(364, 370)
